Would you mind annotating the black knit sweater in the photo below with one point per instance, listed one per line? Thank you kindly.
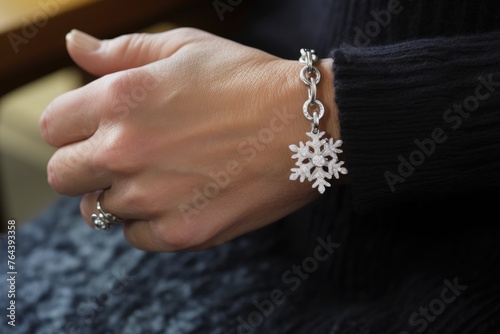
(421, 117)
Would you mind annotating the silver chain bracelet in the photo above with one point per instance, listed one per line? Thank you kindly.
(317, 159)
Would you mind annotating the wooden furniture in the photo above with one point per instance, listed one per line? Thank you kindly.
(32, 31)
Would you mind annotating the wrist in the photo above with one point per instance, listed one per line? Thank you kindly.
(295, 93)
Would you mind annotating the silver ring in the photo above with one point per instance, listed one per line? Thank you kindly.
(103, 220)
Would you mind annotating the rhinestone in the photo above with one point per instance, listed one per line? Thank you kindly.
(318, 160)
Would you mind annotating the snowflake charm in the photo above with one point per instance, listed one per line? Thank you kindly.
(317, 160)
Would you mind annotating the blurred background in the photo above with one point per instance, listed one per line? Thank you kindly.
(23, 153)
(35, 68)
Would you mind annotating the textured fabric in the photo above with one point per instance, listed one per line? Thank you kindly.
(420, 117)
(75, 280)
(72, 279)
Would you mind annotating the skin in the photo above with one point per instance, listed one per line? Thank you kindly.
(168, 111)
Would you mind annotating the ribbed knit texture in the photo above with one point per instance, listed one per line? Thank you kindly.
(403, 134)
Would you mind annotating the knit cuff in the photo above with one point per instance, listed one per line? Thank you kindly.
(420, 118)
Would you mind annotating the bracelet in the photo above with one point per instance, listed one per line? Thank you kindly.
(317, 159)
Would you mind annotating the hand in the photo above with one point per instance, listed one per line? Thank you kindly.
(188, 134)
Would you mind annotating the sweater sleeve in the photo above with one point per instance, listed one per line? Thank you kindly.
(420, 119)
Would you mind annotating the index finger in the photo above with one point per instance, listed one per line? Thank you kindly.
(75, 115)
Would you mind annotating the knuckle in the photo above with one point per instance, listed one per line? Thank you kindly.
(84, 209)
(115, 154)
(119, 83)
(187, 35)
(45, 127)
(60, 170)
(177, 237)
(135, 203)
(106, 157)
(130, 44)
(187, 31)
(54, 177)
(126, 93)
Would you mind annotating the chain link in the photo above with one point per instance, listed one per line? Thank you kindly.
(311, 76)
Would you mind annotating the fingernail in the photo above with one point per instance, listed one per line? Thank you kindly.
(82, 40)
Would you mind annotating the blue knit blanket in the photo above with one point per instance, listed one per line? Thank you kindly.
(73, 279)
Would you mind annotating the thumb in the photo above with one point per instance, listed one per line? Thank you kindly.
(100, 57)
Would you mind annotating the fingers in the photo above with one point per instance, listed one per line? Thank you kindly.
(137, 225)
(101, 57)
(88, 206)
(169, 234)
(76, 115)
(71, 170)
(164, 231)
(108, 157)
(141, 230)
(71, 117)
(127, 200)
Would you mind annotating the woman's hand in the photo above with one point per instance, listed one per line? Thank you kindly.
(187, 132)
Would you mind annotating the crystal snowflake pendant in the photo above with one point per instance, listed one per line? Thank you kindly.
(317, 160)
